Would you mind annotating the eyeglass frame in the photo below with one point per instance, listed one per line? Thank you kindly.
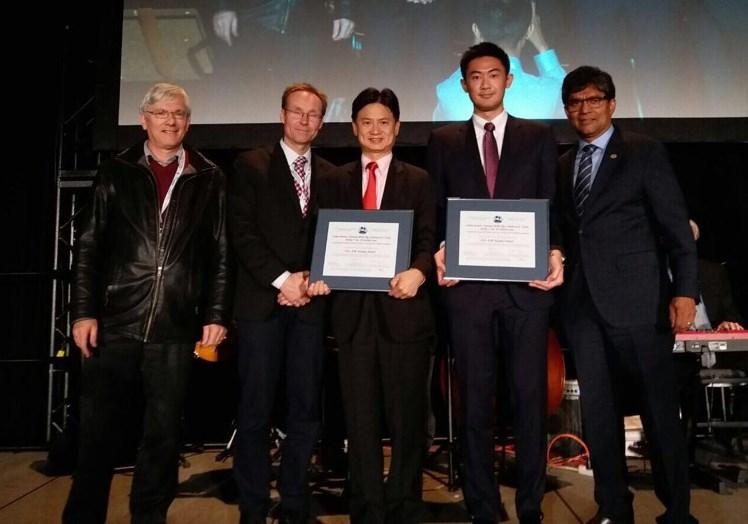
(164, 114)
(299, 115)
(575, 104)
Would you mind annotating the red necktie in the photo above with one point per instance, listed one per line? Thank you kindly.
(370, 196)
(490, 157)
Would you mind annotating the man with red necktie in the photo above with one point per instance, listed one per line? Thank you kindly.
(384, 338)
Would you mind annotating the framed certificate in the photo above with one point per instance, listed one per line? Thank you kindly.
(493, 239)
(361, 250)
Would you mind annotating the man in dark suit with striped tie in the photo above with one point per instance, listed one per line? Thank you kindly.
(270, 215)
(624, 221)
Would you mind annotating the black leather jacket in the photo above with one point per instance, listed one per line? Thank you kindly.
(148, 279)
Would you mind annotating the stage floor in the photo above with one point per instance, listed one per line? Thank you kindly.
(207, 495)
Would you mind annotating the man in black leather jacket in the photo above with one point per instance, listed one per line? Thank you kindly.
(150, 280)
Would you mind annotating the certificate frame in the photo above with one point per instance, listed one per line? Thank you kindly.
(359, 217)
(538, 270)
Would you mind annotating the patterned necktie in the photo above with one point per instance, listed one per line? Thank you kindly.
(584, 179)
(490, 157)
(370, 196)
(299, 183)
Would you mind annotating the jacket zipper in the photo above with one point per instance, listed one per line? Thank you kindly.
(159, 262)
(161, 251)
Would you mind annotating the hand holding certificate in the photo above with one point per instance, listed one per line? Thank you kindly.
(555, 275)
(503, 240)
(361, 250)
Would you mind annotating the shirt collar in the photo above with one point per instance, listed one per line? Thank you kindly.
(179, 155)
(292, 155)
(383, 163)
(601, 142)
(499, 121)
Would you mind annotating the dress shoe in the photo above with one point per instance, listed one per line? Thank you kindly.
(531, 518)
(665, 519)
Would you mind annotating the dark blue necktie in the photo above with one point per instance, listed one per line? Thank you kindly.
(584, 179)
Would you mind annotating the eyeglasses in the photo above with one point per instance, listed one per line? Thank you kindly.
(593, 102)
(299, 115)
(163, 114)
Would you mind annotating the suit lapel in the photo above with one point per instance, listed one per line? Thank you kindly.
(566, 183)
(313, 183)
(393, 187)
(473, 166)
(509, 154)
(612, 157)
(283, 179)
(354, 186)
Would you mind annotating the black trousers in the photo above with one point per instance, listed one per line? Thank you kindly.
(480, 331)
(119, 373)
(613, 365)
(383, 385)
(283, 345)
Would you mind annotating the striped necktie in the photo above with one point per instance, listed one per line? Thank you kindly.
(584, 179)
(299, 183)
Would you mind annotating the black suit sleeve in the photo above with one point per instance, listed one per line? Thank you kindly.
(669, 209)
(547, 184)
(250, 247)
(217, 282)
(424, 233)
(435, 168)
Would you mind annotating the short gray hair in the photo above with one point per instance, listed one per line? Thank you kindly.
(163, 90)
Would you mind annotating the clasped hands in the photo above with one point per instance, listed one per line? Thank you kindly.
(293, 292)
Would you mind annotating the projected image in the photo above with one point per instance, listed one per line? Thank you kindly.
(668, 58)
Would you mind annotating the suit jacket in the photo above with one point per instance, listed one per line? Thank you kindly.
(268, 231)
(527, 169)
(634, 225)
(408, 187)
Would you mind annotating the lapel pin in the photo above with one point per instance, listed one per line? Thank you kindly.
(613, 156)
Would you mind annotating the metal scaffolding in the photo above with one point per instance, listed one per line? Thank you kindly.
(75, 170)
(73, 192)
